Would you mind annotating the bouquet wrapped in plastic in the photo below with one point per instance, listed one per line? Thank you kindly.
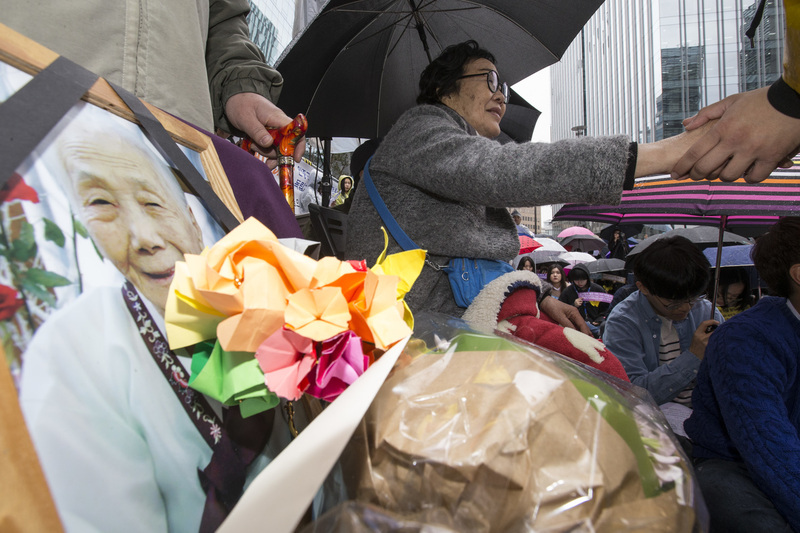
(482, 433)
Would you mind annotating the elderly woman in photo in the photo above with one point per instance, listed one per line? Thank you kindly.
(447, 182)
(123, 442)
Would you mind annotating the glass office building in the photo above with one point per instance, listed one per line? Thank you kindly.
(640, 67)
(270, 23)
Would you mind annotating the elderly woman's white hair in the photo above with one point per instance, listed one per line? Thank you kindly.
(82, 135)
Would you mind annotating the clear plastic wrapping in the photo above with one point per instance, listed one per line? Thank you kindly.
(482, 433)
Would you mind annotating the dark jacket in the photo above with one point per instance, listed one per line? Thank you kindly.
(591, 311)
(618, 249)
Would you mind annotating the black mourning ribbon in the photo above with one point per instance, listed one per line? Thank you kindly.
(223, 479)
(241, 439)
(176, 159)
(28, 115)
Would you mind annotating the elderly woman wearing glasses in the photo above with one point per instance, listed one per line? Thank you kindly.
(447, 182)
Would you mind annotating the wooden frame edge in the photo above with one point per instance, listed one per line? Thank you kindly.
(31, 57)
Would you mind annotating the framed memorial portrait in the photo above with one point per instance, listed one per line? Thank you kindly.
(94, 207)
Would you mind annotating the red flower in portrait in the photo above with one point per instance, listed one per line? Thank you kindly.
(9, 302)
(16, 189)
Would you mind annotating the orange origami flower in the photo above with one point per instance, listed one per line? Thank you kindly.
(318, 314)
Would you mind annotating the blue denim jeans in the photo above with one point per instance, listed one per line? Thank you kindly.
(734, 502)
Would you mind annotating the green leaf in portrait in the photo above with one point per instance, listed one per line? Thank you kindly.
(46, 278)
(53, 233)
(23, 247)
(38, 291)
(80, 229)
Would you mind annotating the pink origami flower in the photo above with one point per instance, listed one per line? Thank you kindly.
(341, 363)
(286, 359)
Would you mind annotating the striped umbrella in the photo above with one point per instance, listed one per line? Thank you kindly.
(745, 208)
(748, 208)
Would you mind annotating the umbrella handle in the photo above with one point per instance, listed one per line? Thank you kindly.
(285, 140)
(723, 221)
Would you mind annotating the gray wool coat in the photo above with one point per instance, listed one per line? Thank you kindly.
(448, 189)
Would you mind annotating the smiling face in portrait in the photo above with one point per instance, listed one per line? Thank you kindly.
(479, 106)
(139, 221)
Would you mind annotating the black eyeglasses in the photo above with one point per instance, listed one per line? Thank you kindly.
(493, 81)
(674, 305)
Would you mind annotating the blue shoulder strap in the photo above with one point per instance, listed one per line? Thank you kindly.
(394, 228)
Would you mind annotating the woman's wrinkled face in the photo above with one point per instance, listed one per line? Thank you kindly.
(479, 106)
(133, 217)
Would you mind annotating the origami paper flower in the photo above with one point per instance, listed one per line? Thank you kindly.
(379, 317)
(239, 285)
(286, 358)
(300, 322)
(230, 377)
(318, 314)
(342, 361)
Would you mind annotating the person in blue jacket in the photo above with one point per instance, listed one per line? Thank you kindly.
(745, 427)
(659, 333)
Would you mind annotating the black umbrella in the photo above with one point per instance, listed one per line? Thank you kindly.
(356, 67)
(519, 121)
(701, 236)
(629, 230)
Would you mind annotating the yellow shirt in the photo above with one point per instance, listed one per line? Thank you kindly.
(791, 69)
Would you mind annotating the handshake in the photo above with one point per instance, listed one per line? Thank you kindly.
(743, 135)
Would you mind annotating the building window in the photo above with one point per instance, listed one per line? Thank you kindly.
(263, 33)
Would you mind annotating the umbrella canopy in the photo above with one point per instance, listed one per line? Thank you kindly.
(573, 258)
(730, 256)
(583, 243)
(527, 244)
(574, 230)
(519, 121)
(744, 208)
(549, 245)
(629, 230)
(702, 236)
(544, 257)
(605, 265)
(748, 208)
(356, 67)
